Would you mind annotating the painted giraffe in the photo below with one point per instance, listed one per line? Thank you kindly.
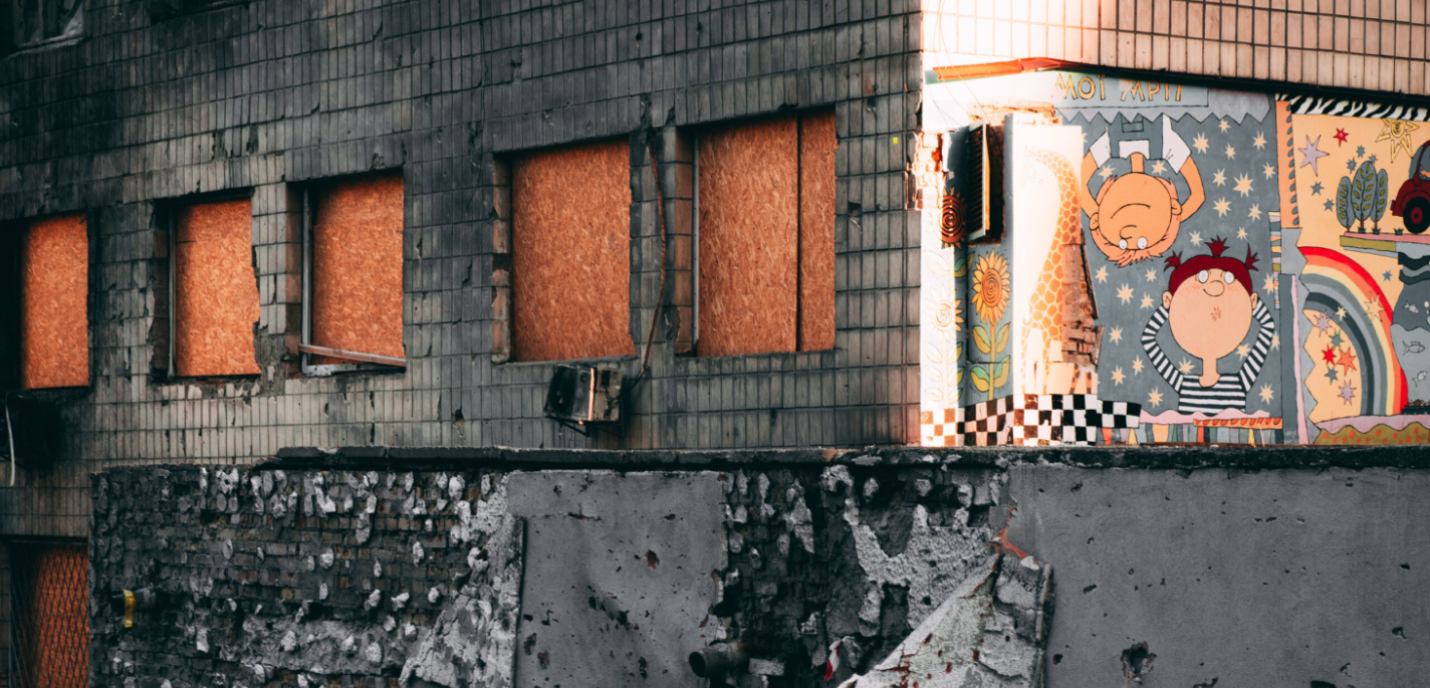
(1050, 307)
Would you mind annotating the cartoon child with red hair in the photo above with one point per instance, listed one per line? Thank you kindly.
(1136, 216)
(1210, 303)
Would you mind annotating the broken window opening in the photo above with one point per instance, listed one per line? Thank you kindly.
(49, 614)
(352, 276)
(39, 22)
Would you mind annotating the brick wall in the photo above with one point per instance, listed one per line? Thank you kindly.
(1377, 45)
(270, 95)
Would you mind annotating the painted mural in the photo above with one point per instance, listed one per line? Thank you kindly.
(1180, 264)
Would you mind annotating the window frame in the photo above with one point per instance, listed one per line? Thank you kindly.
(693, 136)
(168, 212)
(361, 362)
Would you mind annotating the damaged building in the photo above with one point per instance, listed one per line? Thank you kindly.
(767, 344)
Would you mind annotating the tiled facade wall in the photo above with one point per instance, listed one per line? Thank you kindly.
(1363, 44)
(268, 95)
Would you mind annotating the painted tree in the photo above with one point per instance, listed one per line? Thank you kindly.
(1362, 197)
(1344, 213)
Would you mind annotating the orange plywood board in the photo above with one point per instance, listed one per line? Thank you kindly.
(817, 143)
(215, 292)
(571, 266)
(54, 313)
(749, 238)
(357, 266)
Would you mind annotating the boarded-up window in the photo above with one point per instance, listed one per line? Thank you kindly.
(50, 597)
(215, 293)
(571, 253)
(355, 269)
(766, 245)
(54, 293)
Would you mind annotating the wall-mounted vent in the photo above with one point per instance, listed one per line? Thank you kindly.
(584, 394)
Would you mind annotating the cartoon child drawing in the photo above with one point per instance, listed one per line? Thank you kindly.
(1136, 216)
(1210, 302)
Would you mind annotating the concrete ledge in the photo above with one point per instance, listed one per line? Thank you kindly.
(1159, 457)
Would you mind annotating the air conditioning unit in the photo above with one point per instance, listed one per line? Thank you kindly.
(584, 394)
(30, 428)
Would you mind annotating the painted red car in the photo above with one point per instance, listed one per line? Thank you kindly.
(1412, 202)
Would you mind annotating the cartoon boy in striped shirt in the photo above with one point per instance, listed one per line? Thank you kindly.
(1210, 303)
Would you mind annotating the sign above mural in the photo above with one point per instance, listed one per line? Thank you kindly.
(1178, 264)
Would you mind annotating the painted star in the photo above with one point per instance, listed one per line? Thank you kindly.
(1243, 185)
(1154, 399)
(1340, 136)
(1276, 341)
(1224, 126)
(1185, 366)
(1322, 323)
(1268, 170)
(1371, 159)
(1137, 365)
(1332, 375)
(1200, 143)
(1255, 212)
(1329, 356)
(1336, 340)
(1106, 172)
(1312, 153)
(1230, 152)
(1329, 205)
(1125, 293)
(1159, 167)
(1360, 151)
(1266, 393)
(1219, 178)
(1151, 275)
(1221, 207)
(1196, 238)
(1259, 141)
(1347, 360)
(1385, 276)
(1146, 301)
(1118, 376)
(1316, 189)
(1115, 335)
(1351, 165)
(1341, 313)
(1241, 233)
(1102, 274)
(1269, 284)
(1243, 351)
(1347, 393)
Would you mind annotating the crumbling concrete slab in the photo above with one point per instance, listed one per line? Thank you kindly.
(621, 573)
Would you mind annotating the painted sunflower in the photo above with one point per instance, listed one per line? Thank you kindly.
(991, 287)
(948, 317)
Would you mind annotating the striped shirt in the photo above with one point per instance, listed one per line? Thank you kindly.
(1230, 391)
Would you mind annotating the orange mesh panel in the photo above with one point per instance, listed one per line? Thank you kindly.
(817, 143)
(749, 238)
(54, 317)
(52, 598)
(357, 266)
(571, 253)
(215, 293)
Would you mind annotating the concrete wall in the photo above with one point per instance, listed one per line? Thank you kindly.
(1233, 566)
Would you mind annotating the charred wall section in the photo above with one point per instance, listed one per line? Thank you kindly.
(150, 107)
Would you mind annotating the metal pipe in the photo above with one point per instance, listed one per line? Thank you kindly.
(718, 659)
